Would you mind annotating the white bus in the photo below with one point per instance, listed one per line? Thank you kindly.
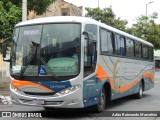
(76, 62)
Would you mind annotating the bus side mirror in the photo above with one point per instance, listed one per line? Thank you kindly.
(4, 50)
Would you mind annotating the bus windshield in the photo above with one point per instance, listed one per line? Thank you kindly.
(46, 50)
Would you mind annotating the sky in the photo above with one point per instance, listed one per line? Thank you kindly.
(125, 9)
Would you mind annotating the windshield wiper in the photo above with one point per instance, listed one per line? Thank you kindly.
(29, 61)
(22, 72)
(24, 69)
(56, 77)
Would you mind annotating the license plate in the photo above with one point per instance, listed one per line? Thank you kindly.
(38, 101)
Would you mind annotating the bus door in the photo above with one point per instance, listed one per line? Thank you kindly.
(91, 83)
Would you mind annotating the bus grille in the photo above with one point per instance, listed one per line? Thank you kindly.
(45, 102)
(40, 94)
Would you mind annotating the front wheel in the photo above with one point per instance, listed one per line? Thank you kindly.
(102, 103)
(49, 108)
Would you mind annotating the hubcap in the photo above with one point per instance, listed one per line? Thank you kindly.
(140, 91)
(102, 101)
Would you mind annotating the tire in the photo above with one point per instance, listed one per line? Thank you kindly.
(139, 95)
(49, 108)
(102, 103)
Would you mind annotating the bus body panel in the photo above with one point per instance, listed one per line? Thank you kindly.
(123, 75)
(71, 100)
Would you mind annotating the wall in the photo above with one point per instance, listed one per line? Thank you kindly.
(4, 66)
(59, 8)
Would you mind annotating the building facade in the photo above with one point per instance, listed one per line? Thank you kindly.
(59, 8)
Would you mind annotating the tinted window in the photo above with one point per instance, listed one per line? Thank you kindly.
(150, 53)
(145, 52)
(91, 29)
(120, 45)
(110, 42)
(90, 60)
(104, 47)
(106, 42)
(130, 47)
(138, 48)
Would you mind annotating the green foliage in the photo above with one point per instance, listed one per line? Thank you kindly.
(106, 16)
(38, 6)
(147, 29)
(11, 14)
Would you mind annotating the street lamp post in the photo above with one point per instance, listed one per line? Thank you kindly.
(147, 5)
(24, 10)
(98, 3)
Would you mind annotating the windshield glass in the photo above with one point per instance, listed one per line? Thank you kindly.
(46, 50)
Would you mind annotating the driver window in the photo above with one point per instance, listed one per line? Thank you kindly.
(90, 61)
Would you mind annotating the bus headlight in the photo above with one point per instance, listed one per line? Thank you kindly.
(68, 90)
(15, 89)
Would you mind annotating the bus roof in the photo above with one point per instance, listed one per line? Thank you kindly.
(80, 20)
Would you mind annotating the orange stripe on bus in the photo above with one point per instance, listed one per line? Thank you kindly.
(102, 75)
(151, 76)
(18, 84)
(127, 87)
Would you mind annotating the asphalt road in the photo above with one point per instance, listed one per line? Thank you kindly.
(149, 102)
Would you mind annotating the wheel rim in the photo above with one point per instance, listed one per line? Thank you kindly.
(140, 91)
(102, 101)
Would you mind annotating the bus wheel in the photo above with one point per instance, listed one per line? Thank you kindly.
(49, 108)
(140, 91)
(102, 103)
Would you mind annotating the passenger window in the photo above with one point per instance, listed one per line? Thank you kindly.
(151, 53)
(138, 50)
(120, 45)
(110, 42)
(130, 48)
(106, 42)
(104, 48)
(145, 52)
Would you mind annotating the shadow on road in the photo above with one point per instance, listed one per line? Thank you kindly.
(66, 113)
(124, 100)
(78, 113)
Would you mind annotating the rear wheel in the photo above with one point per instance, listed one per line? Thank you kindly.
(139, 95)
(102, 103)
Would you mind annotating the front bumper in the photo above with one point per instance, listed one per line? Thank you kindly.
(72, 100)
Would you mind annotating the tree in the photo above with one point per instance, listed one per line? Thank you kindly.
(106, 16)
(145, 26)
(11, 13)
(38, 6)
(147, 29)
